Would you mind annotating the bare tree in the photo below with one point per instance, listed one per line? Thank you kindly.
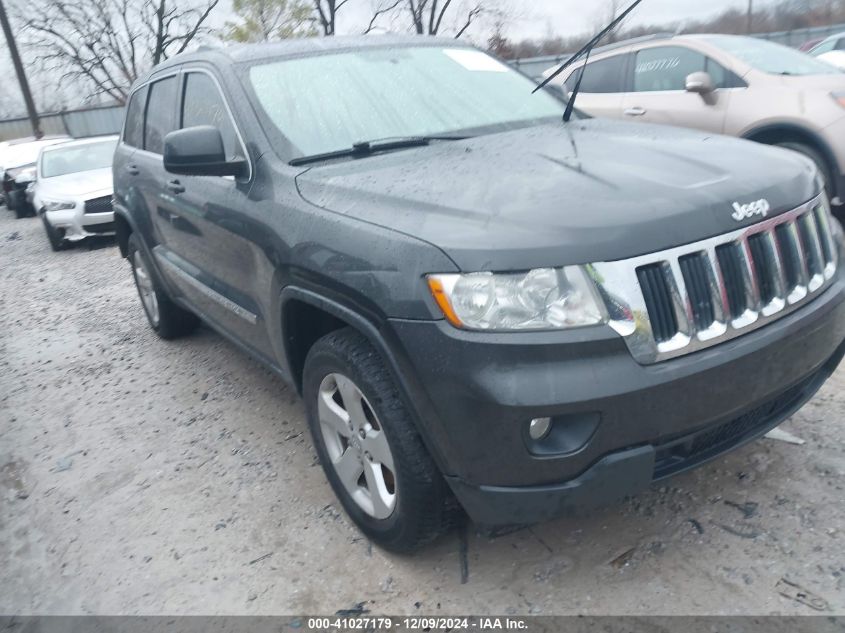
(427, 15)
(107, 44)
(605, 15)
(264, 20)
(383, 7)
(327, 14)
(498, 42)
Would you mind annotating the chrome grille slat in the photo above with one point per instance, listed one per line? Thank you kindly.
(792, 255)
(699, 301)
(752, 291)
(680, 303)
(657, 296)
(732, 265)
(720, 297)
(722, 287)
(774, 270)
(828, 244)
(809, 233)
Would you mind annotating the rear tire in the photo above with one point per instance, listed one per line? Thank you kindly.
(10, 201)
(361, 428)
(17, 204)
(167, 319)
(57, 242)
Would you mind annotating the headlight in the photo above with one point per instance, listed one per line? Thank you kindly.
(59, 206)
(541, 299)
(840, 98)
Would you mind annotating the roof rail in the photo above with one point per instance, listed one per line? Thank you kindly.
(635, 40)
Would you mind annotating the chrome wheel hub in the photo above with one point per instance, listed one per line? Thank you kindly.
(357, 446)
(144, 282)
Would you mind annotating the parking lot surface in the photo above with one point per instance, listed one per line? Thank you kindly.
(139, 476)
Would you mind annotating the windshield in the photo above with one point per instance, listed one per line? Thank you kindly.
(327, 103)
(69, 160)
(26, 153)
(771, 58)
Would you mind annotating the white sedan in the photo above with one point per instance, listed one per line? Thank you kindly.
(73, 190)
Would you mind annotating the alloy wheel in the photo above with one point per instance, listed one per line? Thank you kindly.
(144, 282)
(357, 446)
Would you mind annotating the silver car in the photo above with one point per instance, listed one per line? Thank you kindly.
(73, 190)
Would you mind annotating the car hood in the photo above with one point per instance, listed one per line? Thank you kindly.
(588, 191)
(77, 185)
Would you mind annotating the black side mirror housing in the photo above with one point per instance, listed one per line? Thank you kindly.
(199, 151)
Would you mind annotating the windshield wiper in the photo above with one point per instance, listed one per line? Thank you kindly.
(368, 148)
(585, 50)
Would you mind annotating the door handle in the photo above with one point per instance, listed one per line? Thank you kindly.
(635, 111)
(174, 186)
(133, 170)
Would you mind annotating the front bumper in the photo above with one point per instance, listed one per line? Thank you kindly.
(77, 225)
(619, 425)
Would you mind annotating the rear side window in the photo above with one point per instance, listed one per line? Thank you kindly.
(133, 131)
(204, 105)
(840, 45)
(667, 68)
(601, 77)
(161, 114)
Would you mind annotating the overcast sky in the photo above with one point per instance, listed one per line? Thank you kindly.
(570, 17)
(536, 18)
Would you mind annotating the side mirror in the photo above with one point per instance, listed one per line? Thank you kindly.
(700, 83)
(198, 151)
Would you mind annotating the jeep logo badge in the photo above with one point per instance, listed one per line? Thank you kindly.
(746, 211)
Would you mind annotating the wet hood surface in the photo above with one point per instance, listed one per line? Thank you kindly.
(592, 190)
(79, 184)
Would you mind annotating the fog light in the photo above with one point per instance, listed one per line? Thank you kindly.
(539, 428)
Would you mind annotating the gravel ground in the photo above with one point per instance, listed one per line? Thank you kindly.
(144, 477)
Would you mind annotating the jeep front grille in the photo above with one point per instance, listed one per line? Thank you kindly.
(678, 301)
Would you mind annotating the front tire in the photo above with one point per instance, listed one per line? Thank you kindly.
(167, 319)
(369, 447)
(54, 236)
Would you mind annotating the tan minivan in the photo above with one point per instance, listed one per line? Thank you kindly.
(726, 84)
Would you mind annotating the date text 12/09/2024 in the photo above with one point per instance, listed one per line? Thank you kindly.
(421, 623)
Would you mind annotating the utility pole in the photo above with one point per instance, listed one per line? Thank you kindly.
(750, 16)
(16, 61)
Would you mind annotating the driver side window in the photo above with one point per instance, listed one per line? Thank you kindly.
(203, 104)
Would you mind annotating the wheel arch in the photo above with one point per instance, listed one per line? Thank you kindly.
(307, 316)
(123, 228)
(333, 315)
(774, 133)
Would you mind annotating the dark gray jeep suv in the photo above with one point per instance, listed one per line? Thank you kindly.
(483, 306)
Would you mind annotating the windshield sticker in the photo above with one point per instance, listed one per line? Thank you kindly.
(667, 63)
(475, 60)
